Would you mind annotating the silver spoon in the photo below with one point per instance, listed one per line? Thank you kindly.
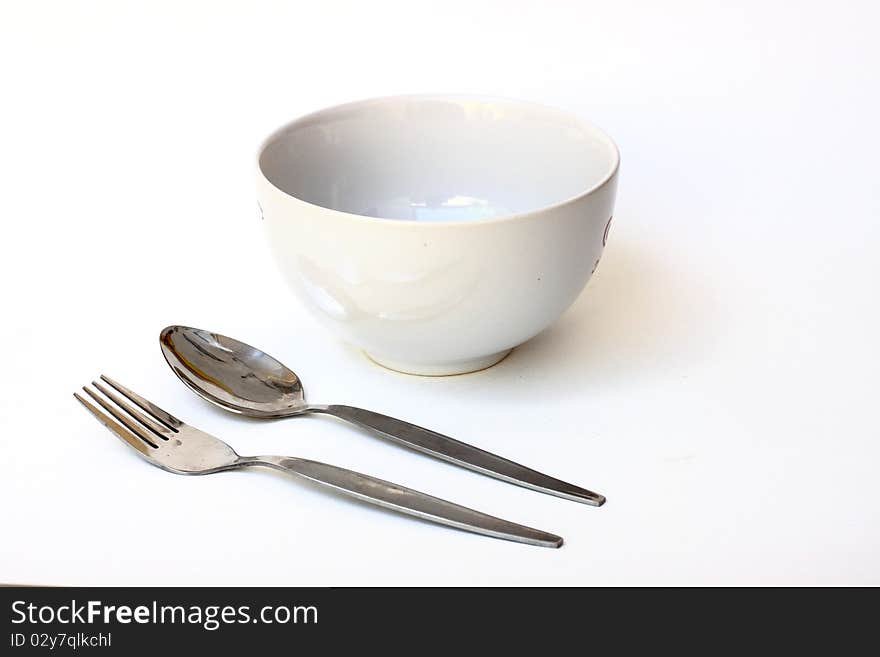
(245, 380)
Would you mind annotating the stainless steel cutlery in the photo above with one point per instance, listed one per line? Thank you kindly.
(242, 379)
(168, 443)
(245, 380)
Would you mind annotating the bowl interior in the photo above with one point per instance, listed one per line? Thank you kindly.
(437, 159)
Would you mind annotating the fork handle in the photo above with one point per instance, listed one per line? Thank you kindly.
(405, 500)
(461, 454)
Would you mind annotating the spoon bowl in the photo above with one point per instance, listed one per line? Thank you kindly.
(232, 374)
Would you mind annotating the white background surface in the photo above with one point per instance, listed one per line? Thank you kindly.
(718, 378)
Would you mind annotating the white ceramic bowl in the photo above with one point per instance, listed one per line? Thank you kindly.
(437, 233)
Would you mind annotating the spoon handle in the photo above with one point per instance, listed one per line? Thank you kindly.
(405, 500)
(459, 453)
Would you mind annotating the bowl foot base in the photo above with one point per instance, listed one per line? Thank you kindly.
(441, 369)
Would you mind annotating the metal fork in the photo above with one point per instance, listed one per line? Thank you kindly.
(172, 445)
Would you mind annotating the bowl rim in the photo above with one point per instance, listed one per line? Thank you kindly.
(589, 191)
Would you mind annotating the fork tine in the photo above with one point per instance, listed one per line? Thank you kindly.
(123, 433)
(161, 430)
(163, 416)
(134, 427)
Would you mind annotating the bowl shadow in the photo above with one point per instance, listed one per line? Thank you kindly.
(641, 315)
